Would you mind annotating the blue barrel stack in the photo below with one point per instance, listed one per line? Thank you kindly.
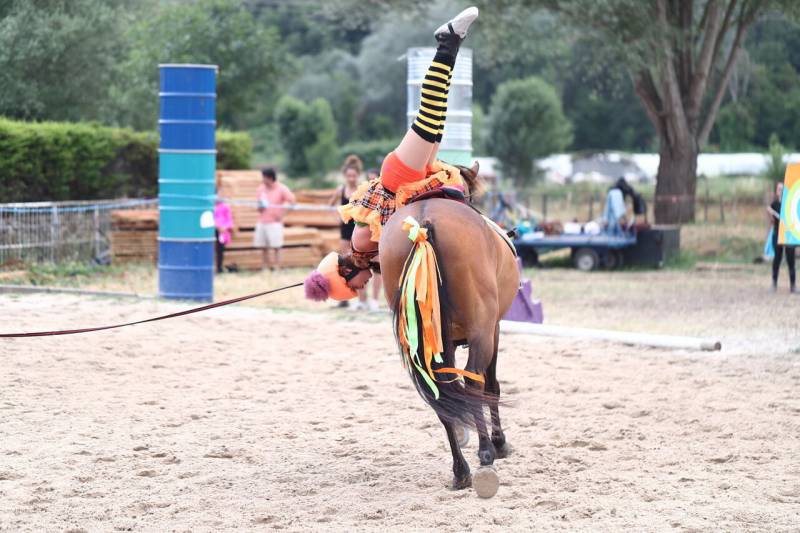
(187, 163)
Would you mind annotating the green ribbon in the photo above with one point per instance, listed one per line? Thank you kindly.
(409, 294)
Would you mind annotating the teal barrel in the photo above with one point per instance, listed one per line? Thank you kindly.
(186, 191)
(187, 163)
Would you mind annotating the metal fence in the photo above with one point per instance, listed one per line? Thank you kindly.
(60, 231)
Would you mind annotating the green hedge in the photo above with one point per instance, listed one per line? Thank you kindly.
(54, 161)
(62, 161)
(370, 152)
(234, 150)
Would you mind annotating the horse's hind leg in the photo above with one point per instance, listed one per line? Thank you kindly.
(493, 386)
(480, 350)
(461, 475)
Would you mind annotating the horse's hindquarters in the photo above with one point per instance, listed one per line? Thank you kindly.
(476, 263)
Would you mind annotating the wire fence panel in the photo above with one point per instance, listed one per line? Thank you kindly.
(60, 231)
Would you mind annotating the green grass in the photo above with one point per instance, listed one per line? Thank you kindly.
(684, 260)
(71, 274)
(739, 250)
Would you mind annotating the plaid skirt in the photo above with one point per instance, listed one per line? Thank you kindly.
(373, 204)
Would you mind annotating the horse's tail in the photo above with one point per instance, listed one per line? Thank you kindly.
(422, 329)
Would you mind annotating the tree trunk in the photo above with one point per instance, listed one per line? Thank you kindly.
(676, 182)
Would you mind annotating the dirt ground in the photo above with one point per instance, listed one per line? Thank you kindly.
(304, 420)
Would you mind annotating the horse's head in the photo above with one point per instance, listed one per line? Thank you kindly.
(473, 183)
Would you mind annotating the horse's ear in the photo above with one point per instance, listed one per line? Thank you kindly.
(470, 176)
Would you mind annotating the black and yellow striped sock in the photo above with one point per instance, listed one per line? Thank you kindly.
(429, 123)
(444, 113)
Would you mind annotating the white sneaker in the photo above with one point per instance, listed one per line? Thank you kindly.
(356, 305)
(373, 306)
(458, 24)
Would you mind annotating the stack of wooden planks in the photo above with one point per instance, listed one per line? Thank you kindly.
(309, 233)
(134, 236)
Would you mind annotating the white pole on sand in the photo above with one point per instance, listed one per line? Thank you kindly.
(625, 337)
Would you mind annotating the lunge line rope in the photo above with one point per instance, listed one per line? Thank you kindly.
(163, 317)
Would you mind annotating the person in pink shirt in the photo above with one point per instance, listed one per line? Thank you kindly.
(269, 229)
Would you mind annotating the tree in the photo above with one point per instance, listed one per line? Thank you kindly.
(776, 168)
(308, 136)
(57, 57)
(221, 32)
(680, 55)
(526, 122)
(735, 128)
(334, 77)
(382, 66)
(598, 99)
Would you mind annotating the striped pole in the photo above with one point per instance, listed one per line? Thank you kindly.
(186, 166)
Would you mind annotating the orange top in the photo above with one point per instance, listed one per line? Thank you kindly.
(395, 173)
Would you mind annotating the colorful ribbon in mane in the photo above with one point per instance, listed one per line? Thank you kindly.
(419, 288)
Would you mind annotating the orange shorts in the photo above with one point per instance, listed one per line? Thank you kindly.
(395, 173)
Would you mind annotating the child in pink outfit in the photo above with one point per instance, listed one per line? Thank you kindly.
(223, 223)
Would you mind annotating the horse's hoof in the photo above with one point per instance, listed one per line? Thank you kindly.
(462, 434)
(501, 452)
(463, 483)
(486, 482)
(487, 456)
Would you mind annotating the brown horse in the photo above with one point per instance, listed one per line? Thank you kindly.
(479, 279)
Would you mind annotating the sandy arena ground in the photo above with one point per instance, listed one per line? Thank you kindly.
(259, 419)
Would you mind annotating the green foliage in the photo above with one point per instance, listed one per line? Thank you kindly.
(321, 153)
(526, 122)
(62, 161)
(772, 94)
(81, 60)
(599, 101)
(234, 150)
(308, 136)
(267, 149)
(478, 130)
(309, 29)
(370, 152)
(84, 161)
(776, 169)
(220, 32)
(382, 65)
(544, 51)
(57, 57)
(735, 128)
(333, 77)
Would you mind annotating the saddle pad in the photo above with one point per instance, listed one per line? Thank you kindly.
(491, 223)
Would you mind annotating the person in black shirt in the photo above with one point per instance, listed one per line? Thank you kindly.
(351, 172)
(774, 211)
